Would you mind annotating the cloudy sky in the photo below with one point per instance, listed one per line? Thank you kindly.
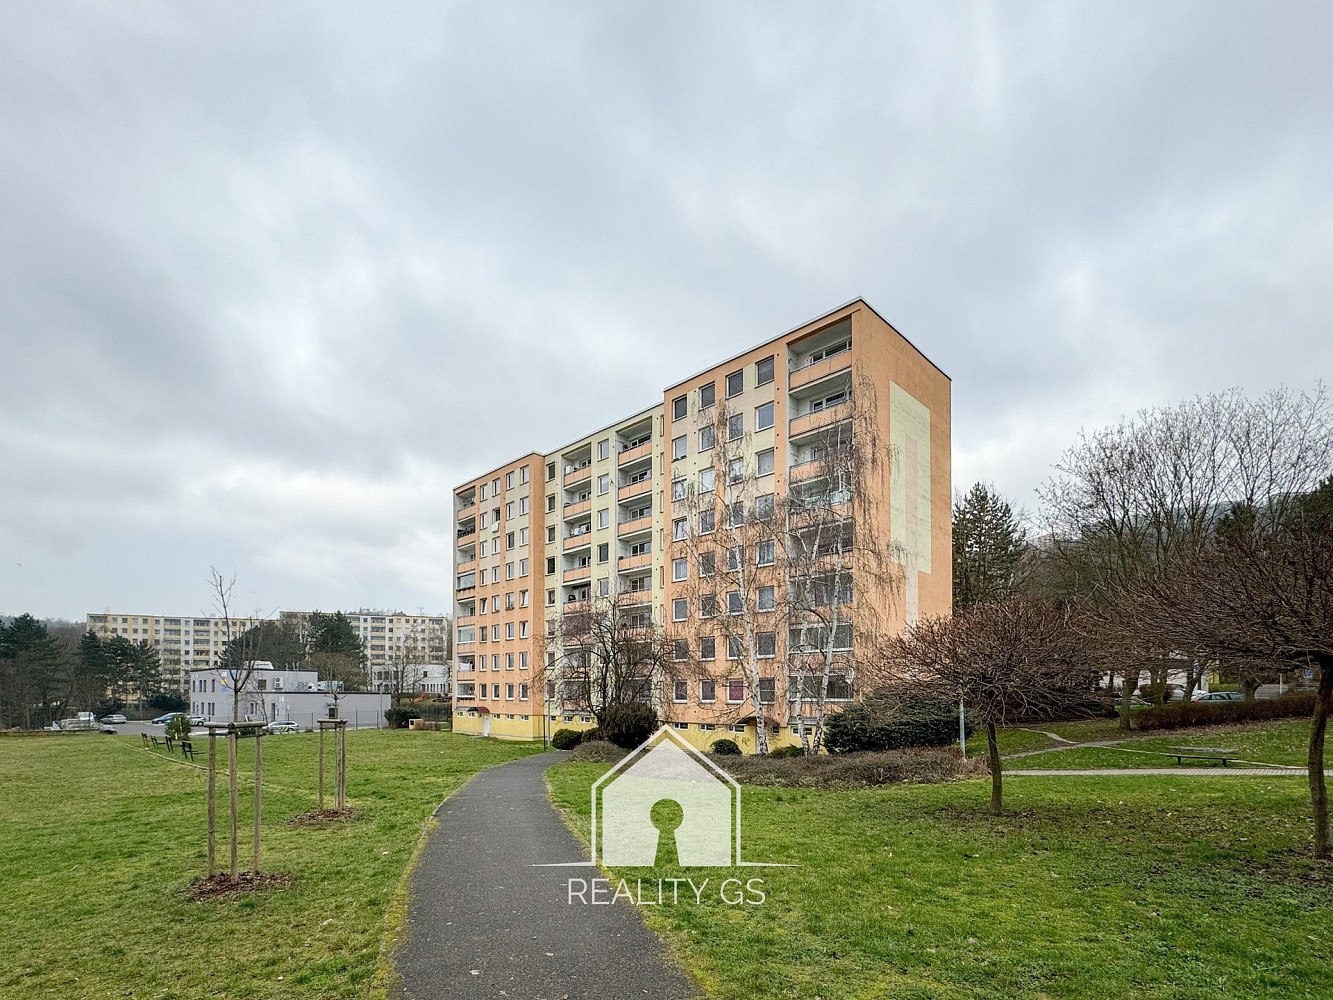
(273, 277)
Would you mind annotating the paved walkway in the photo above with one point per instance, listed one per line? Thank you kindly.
(482, 922)
(1211, 772)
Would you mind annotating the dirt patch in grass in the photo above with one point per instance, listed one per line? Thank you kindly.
(323, 817)
(222, 884)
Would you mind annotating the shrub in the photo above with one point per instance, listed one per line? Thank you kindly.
(566, 739)
(110, 706)
(1183, 715)
(881, 722)
(166, 701)
(178, 727)
(597, 752)
(792, 751)
(920, 765)
(628, 725)
(726, 748)
(398, 718)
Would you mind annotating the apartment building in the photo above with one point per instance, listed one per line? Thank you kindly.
(184, 643)
(634, 516)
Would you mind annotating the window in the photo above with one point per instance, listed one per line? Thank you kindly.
(522, 598)
(707, 394)
(509, 481)
(706, 480)
(830, 350)
(680, 609)
(679, 408)
(678, 489)
(680, 691)
(509, 657)
(481, 492)
(736, 383)
(603, 485)
(735, 470)
(523, 689)
(484, 517)
(763, 371)
(603, 552)
(735, 426)
(550, 565)
(735, 514)
(522, 536)
(522, 567)
(707, 521)
(767, 552)
(680, 649)
(604, 518)
(523, 631)
(734, 556)
(523, 475)
(679, 529)
(708, 605)
(763, 417)
(707, 651)
(550, 503)
(550, 532)
(550, 471)
(680, 569)
(678, 447)
(509, 539)
(495, 486)
(764, 462)
(735, 602)
(707, 563)
(767, 692)
(509, 601)
(509, 571)
(603, 587)
(522, 505)
(763, 507)
(603, 449)
(766, 599)
(766, 643)
(509, 692)
(735, 690)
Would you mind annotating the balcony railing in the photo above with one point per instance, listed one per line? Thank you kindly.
(573, 510)
(636, 453)
(627, 563)
(578, 475)
(633, 490)
(633, 597)
(581, 540)
(820, 369)
(465, 532)
(466, 565)
(578, 574)
(810, 469)
(639, 524)
(820, 419)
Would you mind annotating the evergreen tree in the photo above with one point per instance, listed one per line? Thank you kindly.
(333, 634)
(35, 663)
(989, 546)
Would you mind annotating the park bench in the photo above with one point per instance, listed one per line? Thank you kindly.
(145, 739)
(1215, 754)
(156, 742)
(187, 749)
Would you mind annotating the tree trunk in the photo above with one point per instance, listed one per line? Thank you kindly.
(1315, 758)
(1126, 693)
(996, 777)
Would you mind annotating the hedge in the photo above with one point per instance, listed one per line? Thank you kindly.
(1187, 714)
(921, 765)
(881, 722)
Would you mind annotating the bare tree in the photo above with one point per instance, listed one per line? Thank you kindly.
(241, 639)
(605, 652)
(1011, 660)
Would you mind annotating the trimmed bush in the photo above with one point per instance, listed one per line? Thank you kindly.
(597, 752)
(920, 765)
(880, 722)
(726, 748)
(628, 725)
(792, 751)
(567, 739)
(398, 718)
(1183, 715)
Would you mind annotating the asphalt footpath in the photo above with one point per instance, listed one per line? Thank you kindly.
(483, 922)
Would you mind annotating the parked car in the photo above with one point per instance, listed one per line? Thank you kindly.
(84, 721)
(197, 720)
(114, 720)
(1219, 696)
(162, 720)
(283, 727)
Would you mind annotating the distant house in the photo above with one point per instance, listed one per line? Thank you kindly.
(276, 695)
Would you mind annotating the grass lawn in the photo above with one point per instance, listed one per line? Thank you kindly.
(1282, 742)
(1017, 739)
(1188, 889)
(99, 840)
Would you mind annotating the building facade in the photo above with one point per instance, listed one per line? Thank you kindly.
(272, 694)
(704, 522)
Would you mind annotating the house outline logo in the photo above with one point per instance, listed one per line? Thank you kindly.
(665, 767)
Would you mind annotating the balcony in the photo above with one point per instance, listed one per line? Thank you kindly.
(642, 487)
(633, 598)
(578, 574)
(466, 531)
(574, 607)
(627, 564)
(573, 510)
(817, 421)
(636, 454)
(580, 541)
(805, 471)
(636, 527)
(577, 476)
(820, 370)
(465, 566)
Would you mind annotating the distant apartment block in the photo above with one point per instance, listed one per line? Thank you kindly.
(623, 514)
(184, 642)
